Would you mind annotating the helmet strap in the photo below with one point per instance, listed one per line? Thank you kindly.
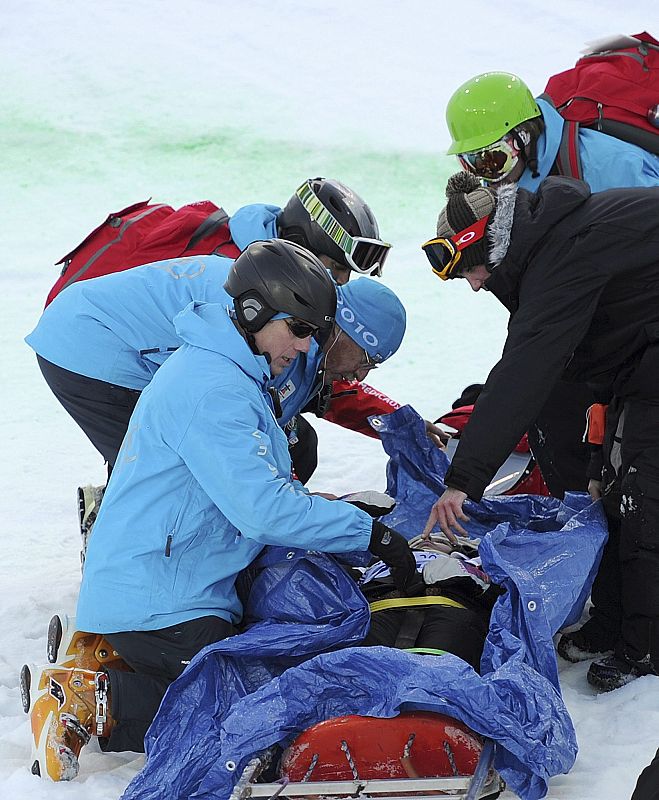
(528, 145)
(248, 336)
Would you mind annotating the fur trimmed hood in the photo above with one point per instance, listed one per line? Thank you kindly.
(501, 225)
(523, 218)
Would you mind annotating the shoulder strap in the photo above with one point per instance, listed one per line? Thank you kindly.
(568, 160)
(209, 226)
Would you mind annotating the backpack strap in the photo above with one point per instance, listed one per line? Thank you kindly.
(568, 160)
(210, 225)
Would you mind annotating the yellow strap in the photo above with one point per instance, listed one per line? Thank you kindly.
(410, 602)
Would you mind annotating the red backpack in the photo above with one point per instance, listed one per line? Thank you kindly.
(143, 233)
(614, 90)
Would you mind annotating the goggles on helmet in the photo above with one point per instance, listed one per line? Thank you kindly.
(362, 254)
(444, 254)
(494, 162)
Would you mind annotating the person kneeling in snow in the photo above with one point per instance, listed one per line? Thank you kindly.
(201, 483)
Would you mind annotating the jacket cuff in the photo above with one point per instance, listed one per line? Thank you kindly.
(596, 463)
(473, 487)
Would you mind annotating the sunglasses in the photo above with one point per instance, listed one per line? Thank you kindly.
(300, 329)
(362, 254)
(494, 162)
(367, 363)
(444, 254)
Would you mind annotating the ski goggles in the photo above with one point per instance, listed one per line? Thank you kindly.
(494, 162)
(300, 329)
(362, 254)
(444, 254)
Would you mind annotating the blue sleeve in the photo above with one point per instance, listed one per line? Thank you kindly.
(240, 459)
(610, 163)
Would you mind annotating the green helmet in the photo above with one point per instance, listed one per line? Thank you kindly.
(487, 107)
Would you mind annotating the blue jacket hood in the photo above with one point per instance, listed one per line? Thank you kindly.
(210, 327)
(254, 223)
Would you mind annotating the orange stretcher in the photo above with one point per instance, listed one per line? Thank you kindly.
(417, 754)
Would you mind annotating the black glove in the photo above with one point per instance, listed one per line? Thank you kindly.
(393, 549)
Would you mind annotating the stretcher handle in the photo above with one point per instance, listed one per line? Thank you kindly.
(480, 773)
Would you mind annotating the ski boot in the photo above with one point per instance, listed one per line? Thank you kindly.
(69, 647)
(614, 672)
(89, 502)
(591, 640)
(67, 705)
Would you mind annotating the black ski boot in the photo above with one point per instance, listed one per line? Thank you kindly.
(591, 640)
(612, 672)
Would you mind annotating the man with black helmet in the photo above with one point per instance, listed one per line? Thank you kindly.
(201, 484)
(76, 338)
(333, 222)
(100, 342)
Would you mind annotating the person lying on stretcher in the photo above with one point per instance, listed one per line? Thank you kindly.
(453, 614)
(447, 610)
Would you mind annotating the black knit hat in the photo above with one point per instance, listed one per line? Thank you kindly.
(468, 201)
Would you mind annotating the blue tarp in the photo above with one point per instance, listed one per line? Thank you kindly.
(298, 664)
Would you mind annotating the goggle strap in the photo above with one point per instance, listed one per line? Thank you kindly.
(470, 235)
(322, 216)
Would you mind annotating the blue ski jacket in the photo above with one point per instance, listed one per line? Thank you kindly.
(201, 483)
(118, 328)
(607, 162)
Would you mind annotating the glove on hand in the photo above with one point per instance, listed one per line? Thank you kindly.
(393, 549)
(377, 504)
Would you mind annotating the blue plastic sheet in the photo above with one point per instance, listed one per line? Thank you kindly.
(297, 664)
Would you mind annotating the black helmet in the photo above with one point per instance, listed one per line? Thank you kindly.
(276, 276)
(331, 220)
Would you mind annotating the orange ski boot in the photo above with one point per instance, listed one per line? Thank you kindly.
(67, 706)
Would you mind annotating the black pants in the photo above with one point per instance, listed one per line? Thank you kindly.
(101, 409)
(647, 787)
(627, 585)
(158, 658)
(460, 631)
(556, 438)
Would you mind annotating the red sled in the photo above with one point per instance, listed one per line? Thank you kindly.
(417, 754)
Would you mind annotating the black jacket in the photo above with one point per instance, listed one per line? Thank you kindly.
(580, 275)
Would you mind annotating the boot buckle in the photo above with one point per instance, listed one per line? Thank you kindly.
(101, 695)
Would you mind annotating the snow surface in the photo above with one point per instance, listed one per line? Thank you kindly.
(106, 103)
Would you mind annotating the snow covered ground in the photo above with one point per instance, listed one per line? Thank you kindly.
(106, 103)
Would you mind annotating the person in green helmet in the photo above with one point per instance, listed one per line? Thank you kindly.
(494, 122)
(502, 134)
